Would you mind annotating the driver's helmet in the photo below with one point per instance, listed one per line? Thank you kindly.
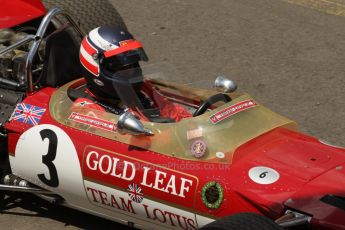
(106, 53)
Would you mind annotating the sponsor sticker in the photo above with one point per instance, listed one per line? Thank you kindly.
(212, 195)
(124, 43)
(135, 193)
(93, 121)
(231, 110)
(161, 215)
(198, 148)
(28, 114)
(121, 183)
(121, 171)
(195, 133)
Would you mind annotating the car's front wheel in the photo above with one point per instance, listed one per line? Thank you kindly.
(89, 14)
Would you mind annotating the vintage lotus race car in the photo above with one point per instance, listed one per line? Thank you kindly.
(234, 163)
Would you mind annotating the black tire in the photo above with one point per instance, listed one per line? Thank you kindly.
(89, 14)
(243, 221)
(4, 168)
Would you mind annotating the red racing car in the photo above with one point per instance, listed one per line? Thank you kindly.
(231, 162)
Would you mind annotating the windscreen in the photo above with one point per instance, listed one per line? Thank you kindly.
(211, 136)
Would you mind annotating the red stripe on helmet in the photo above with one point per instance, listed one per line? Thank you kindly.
(92, 68)
(87, 47)
(129, 45)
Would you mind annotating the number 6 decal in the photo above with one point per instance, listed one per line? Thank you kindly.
(49, 158)
(263, 175)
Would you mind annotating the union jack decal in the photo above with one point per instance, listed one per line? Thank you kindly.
(28, 114)
(135, 193)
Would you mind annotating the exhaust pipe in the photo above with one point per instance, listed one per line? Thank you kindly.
(16, 184)
(292, 218)
(14, 188)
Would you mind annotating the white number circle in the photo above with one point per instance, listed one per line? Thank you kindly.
(46, 156)
(263, 175)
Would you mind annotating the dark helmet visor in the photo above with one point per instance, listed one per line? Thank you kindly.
(119, 61)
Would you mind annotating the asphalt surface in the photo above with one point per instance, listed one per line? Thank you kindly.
(287, 54)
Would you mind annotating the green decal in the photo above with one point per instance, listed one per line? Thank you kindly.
(212, 195)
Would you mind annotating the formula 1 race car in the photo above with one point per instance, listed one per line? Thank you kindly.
(233, 163)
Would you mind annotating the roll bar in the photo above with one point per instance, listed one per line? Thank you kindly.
(37, 38)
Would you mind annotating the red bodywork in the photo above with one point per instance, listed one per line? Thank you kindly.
(15, 12)
(309, 170)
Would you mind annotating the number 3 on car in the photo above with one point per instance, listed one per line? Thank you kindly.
(46, 155)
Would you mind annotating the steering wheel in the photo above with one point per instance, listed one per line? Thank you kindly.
(210, 101)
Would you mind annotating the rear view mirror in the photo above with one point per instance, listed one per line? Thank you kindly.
(128, 124)
(224, 84)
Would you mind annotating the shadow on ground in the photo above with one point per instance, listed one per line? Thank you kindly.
(29, 205)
